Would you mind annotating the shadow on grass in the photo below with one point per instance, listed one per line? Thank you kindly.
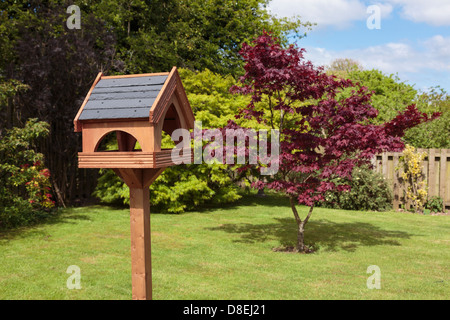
(32, 230)
(322, 234)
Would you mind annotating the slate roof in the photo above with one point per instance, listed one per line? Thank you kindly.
(116, 98)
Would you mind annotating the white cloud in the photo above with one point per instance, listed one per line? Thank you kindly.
(341, 13)
(431, 54)
(338, 13)
(438, 54)
(439, 45)
(433, 12)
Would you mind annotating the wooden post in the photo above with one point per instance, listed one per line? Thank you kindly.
(141, 256)
(396, 182)
(432, 173)
(384, 163)
(442, 175)
(139, 180)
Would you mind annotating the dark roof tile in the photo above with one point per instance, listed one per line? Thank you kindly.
(130, 97)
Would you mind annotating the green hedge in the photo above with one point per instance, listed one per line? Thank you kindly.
(369, 192)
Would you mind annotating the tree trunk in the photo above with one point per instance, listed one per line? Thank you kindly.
(301, 239)
(301, 247)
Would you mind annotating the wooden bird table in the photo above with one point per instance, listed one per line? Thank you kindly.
(138, 108)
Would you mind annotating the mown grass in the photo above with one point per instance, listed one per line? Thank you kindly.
(226, 253)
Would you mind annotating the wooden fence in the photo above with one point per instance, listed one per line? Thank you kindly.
(436, 169)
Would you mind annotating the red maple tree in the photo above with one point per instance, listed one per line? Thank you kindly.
(324, 123)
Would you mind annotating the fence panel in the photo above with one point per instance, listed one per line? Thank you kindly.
(436, 170)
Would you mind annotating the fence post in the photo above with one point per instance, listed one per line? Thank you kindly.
(384, 164)
(396, 184)
(442, 176)
(431, 172)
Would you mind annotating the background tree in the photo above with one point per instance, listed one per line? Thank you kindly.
(58, 65)
(390, 95)
(434, 134)
(8, 89)
(155, 35)
(324, 134)
(341, 67)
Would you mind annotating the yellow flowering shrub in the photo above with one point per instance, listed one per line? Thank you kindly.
(413, 177)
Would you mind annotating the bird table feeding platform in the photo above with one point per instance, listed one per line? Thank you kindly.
(137, 108)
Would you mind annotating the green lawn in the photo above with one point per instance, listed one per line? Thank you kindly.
(226, 253)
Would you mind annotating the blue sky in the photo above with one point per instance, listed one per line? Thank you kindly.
(413, 40)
